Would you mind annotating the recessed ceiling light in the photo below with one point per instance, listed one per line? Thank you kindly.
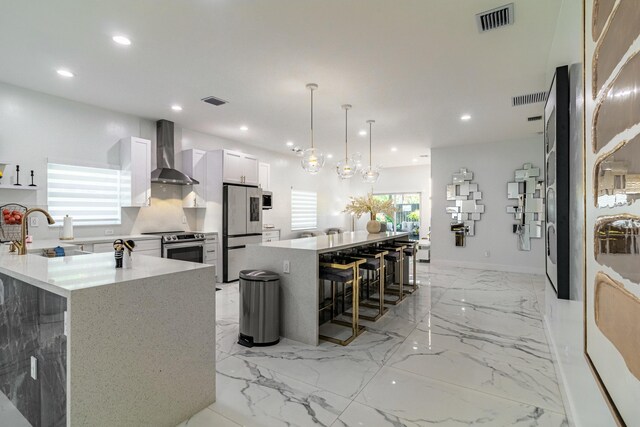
(121, 40)
(65, 73)
(289, 144)
(329, 156)
(362, 133)
(394, 149)
(244, 128)
(465, 117)
(176, 108)
(414, 160)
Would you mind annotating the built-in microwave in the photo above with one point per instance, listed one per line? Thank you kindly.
(267, 199)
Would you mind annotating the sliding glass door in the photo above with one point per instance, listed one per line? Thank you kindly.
(407, 215)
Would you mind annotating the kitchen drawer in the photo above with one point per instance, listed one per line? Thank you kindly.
(273, 235)
(100, 248)
(210, 253)
(148, 245)
(141, 246)
(211, 238)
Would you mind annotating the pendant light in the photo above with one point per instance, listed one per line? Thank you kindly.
(371, 174)
(345, 168)
(312, 159)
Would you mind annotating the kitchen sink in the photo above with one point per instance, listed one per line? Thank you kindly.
(67, 252)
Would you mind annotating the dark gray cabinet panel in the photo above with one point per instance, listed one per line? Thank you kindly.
(32, 324)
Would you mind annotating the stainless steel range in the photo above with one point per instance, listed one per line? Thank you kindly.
(183, 245)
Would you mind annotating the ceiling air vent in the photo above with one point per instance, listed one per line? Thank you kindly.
(214, 101)
(531, 98)
(495, 18)
(534, 118)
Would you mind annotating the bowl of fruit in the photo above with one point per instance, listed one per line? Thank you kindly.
(12, 217)
(11, 220)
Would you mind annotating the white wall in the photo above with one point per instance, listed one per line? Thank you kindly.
(493, 165)
(35, 126)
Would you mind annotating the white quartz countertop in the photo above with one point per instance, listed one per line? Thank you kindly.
(334, 241)
(63, 275)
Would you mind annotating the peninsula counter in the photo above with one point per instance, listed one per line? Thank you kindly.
(109, 346)
(299, 297)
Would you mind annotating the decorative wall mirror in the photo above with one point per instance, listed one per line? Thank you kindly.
(528, 189)
(466, 210)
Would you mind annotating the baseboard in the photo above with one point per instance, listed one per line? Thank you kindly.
(486, 266)
(560, 373)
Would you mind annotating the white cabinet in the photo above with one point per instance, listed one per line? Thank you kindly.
(143, 247)
(270, 236)
(194, 165)
(250, 167)
(264, 176)
(239, 168)
(211, 250)
(135, 166)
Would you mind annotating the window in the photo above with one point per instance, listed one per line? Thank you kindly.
(304, 210)
(91, 196)
(407, 216)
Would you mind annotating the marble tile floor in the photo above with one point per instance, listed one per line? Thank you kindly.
(468, 348)
(9, 414)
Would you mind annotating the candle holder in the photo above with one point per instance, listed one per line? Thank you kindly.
(18, 176)
(32, 184)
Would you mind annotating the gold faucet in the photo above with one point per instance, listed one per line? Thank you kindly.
(22, 245)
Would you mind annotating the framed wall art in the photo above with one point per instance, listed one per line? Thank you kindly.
(612, 201)
(556, 146)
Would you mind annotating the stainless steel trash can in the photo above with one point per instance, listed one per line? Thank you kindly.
(259, 308)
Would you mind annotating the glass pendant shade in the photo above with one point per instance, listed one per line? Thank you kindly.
(370, 175)
(312, 160)
(356, 160)
(345, 169)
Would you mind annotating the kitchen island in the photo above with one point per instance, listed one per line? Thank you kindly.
(299, 297)
(106, 346)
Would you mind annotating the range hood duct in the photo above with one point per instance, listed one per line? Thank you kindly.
(165, 173)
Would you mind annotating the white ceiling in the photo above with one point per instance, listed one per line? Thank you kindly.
(413, 66)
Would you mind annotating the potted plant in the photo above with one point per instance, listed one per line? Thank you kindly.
(359, 206)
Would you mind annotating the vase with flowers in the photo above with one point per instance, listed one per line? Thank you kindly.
(359, 206)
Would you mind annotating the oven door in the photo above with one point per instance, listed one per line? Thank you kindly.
(187, 251)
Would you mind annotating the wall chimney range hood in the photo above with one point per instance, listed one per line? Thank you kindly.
(165, 173)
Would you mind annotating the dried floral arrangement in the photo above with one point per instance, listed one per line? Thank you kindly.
(359, 206)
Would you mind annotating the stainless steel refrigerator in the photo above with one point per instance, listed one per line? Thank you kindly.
(242, 224)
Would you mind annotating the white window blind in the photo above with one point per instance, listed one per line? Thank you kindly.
(304, 210)
(90, 195)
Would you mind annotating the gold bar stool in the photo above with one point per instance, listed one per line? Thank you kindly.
(373, 268)
(410, 251)
(395, 258)
(344, 270)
